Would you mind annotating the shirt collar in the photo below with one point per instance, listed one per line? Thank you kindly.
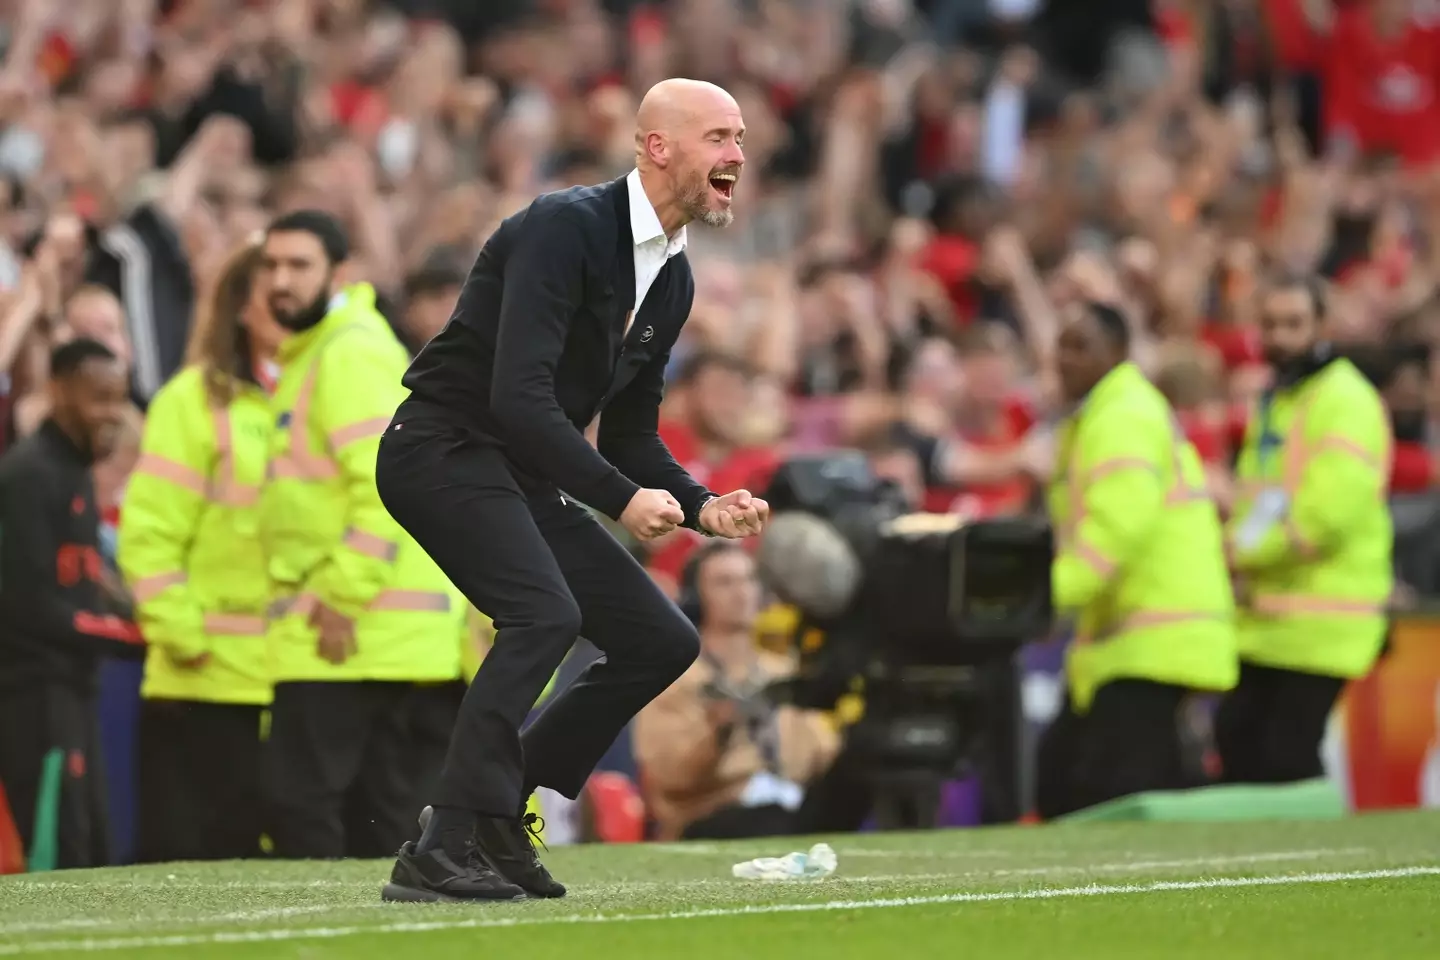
(644, 222)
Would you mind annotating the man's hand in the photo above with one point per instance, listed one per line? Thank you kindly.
(651, 514)
(187, 663)
(735, 515)
(337, 635)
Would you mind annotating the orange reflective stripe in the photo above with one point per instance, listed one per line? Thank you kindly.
(393, 601)
(170, 470)
(234, 625)
(371, 545)
(299, 463)
(1093, 558)
(416, 601)
(363, 430)
(1180, 492)
(148, 588)
(224, 489)
(1345, 445)
(1152, 618)
(1116, 465)
(1279, 605)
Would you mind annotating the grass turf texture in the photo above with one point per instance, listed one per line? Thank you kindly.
(1357, 888)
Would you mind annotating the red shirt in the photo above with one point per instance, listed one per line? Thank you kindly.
(990, 499)
(1413, 470)
(1238, 346)
(952, 260)
(1296, 46)
(1208, 433)
(1383, 91)
(748, 468)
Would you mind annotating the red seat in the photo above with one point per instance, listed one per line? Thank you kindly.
(12, 853)
(617, 812)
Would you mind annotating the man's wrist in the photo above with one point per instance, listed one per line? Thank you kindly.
(699, 510)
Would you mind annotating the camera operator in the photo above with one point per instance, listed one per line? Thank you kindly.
(719, 757)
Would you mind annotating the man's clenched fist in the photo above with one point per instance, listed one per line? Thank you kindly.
(651, 514)
(735, 515)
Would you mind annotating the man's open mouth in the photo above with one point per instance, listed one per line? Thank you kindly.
(723, 184)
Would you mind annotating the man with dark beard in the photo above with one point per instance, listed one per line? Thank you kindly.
(361, 615)
(571, 309)
(1310, 544)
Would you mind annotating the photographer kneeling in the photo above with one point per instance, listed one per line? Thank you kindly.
(719, 758)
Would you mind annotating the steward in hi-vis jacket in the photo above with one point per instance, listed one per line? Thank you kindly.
(1310, 543)
(190, 551)
(1140, 566)
(360, 614)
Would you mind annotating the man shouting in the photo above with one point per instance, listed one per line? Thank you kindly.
(569, 313)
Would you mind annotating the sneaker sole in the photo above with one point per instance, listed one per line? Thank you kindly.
(396, 893)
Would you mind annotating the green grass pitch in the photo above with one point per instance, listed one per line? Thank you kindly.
(1367, 887)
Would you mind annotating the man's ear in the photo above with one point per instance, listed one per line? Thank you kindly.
(657, 148)
(343, 274)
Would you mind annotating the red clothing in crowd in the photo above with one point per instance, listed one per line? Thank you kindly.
(952, 260)
(1237, 346)
(1413, 470)
(1209, 435)
(990, 499)
(748, 468)
(1382, 91)
(1296, 47)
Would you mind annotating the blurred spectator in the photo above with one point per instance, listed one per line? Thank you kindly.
(430, 295)
(201, 586)
(718, 758)
(60, 614)
(708, 427)
(1405, 386)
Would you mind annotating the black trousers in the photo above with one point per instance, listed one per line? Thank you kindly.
(199, 781)
(51, 768)
(337, 770)
(434, 709)
(1129, 742)
(1268, 729)
(545, 571)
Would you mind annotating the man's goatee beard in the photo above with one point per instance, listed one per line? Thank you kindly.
(306, 318)
(717, 218)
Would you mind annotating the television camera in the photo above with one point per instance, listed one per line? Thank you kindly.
(924, 612)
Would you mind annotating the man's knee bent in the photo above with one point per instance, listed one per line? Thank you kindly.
(559, 617)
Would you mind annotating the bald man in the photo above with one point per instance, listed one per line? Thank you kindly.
(569, 313)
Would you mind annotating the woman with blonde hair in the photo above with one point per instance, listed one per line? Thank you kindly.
(189, 550)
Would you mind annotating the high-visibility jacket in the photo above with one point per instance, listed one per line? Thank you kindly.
(1311, 536)
(1140, 559)
(189, 543)
(328, 539)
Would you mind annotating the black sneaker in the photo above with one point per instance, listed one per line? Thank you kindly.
(436, 877)
(506, 842)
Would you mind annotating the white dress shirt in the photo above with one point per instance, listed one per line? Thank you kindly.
(652, 247)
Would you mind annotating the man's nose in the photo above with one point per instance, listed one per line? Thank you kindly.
(734, 155)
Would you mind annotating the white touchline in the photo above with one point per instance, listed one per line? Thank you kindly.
(330, 933)
(612, 888)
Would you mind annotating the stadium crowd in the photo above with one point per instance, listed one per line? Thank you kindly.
(929, 184)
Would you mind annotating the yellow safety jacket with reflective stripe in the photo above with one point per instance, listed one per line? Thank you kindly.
(189, 543)
(1311, 535)
(328, 539)
(1139, 556)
